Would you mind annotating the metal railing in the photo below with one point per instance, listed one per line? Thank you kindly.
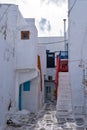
(63, 54)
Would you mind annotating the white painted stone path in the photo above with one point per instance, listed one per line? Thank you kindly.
(43, 120)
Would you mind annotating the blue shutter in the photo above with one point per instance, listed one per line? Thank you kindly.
(26, 86)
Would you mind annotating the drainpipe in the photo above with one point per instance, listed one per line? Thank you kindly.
(66, 45)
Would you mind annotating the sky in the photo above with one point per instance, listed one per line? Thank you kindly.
(48, 14)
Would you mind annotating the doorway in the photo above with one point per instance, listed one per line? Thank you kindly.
(48, 93)
(20, 97)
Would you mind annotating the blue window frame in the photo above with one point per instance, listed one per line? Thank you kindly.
(26, 86)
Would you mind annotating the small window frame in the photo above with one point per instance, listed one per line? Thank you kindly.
(50, 78)
(25, 35)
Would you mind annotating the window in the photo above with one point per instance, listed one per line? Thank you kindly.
(25, 35)
(26, 86)
(49, 77)
(50, 60)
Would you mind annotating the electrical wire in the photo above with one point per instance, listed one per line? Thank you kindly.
(46, 43)
(72, 7)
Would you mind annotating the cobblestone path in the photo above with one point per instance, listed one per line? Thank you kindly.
(44, 120)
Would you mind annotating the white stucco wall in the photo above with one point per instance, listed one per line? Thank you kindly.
(16, 55)
(7, 76)
(26, 66)
(8, 15)
(53, 44)
(41, 50)
(77, 49)
(26, 53)
(8, 18)
(31, 99)
(24, 75)
(50, 72)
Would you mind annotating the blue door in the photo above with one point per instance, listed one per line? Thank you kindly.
(20, 97)
(23, 87)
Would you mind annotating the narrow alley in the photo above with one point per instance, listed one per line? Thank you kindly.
(43, 73)
(45, 119)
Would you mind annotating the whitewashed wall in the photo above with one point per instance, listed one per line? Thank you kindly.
(41, 50)
(26, 55)
(8, 15)
(31, 99)
(8, 19)
(53, 44)
(77, 49)
(7, 76)
(15, 55)
(26, 65)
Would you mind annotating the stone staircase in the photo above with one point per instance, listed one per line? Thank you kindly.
(64, 102)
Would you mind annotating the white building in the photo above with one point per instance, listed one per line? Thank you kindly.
(20, 77)
(78, 54)
(52, 45)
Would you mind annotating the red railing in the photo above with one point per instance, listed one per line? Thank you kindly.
(57, 74)
(61, 66)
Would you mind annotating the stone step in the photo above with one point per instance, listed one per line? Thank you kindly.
(64, 104)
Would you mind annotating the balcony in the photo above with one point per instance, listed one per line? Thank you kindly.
(63, 54)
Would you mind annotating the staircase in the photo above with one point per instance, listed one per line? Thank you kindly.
(64, 103)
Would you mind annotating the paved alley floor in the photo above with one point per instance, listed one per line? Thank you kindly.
(43, 120)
